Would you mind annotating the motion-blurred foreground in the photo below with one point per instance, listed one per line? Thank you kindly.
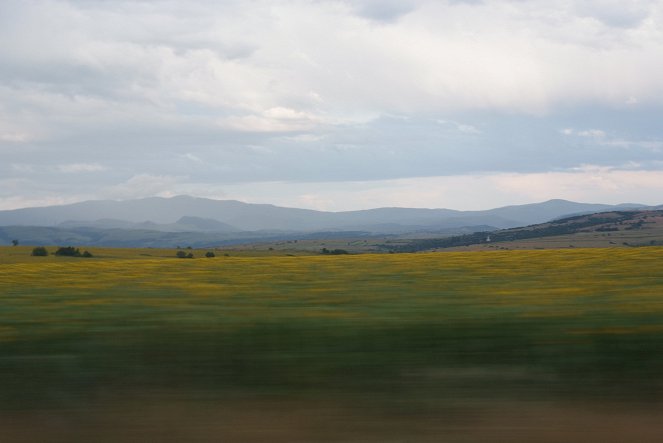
(455, 347)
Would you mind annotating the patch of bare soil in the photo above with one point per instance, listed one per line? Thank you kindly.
(167, 418)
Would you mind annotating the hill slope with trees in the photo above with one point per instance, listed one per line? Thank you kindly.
(615, 228)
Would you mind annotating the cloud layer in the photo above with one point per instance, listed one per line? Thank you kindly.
(94, 94)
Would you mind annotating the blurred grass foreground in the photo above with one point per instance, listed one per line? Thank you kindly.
(556, 346)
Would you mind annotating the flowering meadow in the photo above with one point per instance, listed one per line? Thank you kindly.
(425, 329)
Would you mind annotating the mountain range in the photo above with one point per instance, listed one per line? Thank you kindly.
(157, 221)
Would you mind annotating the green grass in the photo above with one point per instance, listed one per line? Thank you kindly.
(506, 324)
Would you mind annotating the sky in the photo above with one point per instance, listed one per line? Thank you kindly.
(332, 104)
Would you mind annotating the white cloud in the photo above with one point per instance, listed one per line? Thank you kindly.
(305, 138)
(461, 127)
(615, 13)
(74, 168)
(592, 133)
(277, 119)
(22, 192)
(602, 138)
(294, 89)
(17, 202)
(318, 57)
(383, 10)
(144, 185)
(193, 158)
(14, 137)
(588, 183)
(23, 168)
(650, 145)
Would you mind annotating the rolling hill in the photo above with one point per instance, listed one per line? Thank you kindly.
(184, 220)
(252, 217)
(605, 229)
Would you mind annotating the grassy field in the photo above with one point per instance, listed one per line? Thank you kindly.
(623, 239)
(476, 346)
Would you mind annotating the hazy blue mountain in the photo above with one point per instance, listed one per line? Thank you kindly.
(535, 213)
(184, 224)
(165, 211)
(104, 223)
(204, 225)
(87, 236)
(190, 214)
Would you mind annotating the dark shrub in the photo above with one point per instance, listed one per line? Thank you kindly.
(68, 251)
(334, 251)
(210, 254)
(39, 251)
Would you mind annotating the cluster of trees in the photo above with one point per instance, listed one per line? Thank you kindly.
(39, 251)
(182, 254)
(333, 251)
(68, 251)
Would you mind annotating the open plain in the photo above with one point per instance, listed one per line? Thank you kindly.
(554, 345)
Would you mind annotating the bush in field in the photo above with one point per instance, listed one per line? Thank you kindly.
(68, 251)
(86, 254)
(334, 251)
(182, 254)
(210, 254)
(39, 251)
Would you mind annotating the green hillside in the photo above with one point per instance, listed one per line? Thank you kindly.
(606, 229)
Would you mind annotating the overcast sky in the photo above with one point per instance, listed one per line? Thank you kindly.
(331, 104)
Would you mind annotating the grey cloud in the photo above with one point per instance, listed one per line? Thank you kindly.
(616, 13)
(468, 2)
(94, 93)
(384, 11)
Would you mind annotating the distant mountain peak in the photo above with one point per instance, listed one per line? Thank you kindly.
(205, 224)
(184, 212)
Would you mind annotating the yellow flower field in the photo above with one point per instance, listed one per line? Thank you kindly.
(538, 302)
(565, 283)
(436, 332)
